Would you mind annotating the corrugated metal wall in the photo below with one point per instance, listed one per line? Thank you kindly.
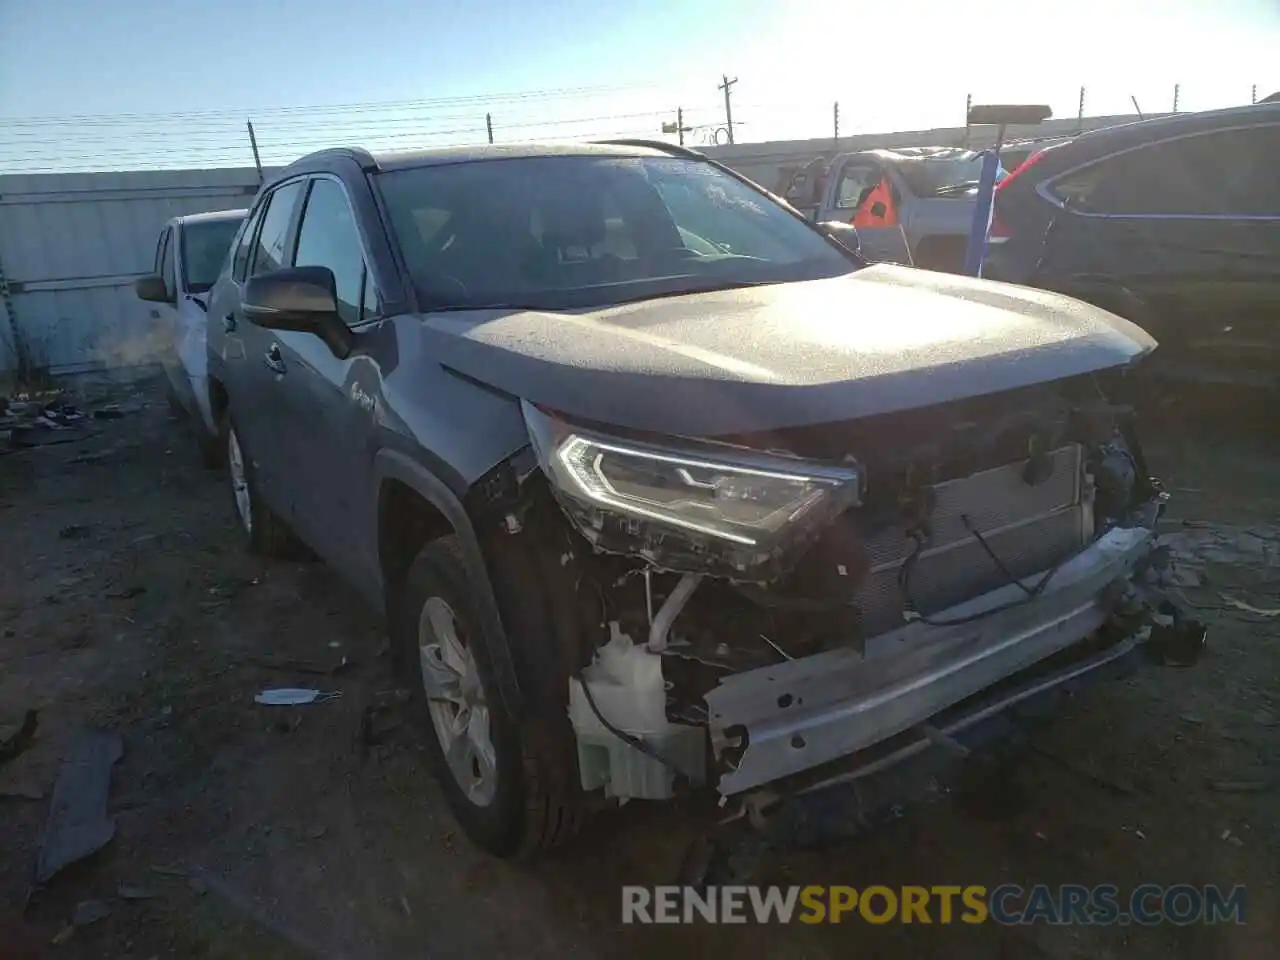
(70, 248)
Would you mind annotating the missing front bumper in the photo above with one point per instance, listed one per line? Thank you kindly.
(782, 720)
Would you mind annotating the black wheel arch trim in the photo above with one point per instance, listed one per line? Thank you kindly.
(393, 465)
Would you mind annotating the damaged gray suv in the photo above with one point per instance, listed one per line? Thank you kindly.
(662, 489)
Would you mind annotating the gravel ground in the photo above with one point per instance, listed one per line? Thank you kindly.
(127, 604)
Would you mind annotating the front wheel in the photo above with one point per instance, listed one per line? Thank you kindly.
(504, 788)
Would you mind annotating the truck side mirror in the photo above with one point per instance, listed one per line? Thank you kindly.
(152, 287)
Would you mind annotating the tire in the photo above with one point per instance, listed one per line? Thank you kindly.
(266, 534)
(533, 802)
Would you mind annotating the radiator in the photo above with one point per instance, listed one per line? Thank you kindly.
(1030, 528)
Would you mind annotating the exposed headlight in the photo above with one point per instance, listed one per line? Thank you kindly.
(690, 506)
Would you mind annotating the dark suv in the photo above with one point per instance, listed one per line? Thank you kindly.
(658, 485)
(1173, 223)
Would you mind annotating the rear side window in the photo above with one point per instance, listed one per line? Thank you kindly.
(273, 237)
(1229, 173)
(244, 246)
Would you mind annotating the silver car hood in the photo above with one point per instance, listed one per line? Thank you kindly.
(875, 341)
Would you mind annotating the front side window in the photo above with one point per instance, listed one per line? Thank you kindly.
(273, 237)
(856, 182)
(205, 245)
(328, 237)
(557, 232)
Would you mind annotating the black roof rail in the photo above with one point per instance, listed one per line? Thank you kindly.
(674, 149)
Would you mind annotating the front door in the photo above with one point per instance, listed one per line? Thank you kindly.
(862, 195)
(327, 407)
(165, 317)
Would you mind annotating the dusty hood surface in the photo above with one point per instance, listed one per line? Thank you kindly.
(882, 339)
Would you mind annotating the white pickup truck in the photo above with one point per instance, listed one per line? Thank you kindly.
(189, 256)
(923, 220)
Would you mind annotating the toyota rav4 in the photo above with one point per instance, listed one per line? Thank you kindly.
(659, 486)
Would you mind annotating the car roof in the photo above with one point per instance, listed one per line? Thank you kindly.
(212, 216)
(1085, 148)
(385, 160)
(1140, 131)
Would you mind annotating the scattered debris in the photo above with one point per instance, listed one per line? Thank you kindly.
(168, 871)
(74, 531)
(294, 697)
(1192, 719)
(316, 832)
(1175, 640)
(63, 935)
(1241, 786)
(89, 912)
(78, 823)
(127, 892)
(109, 412)
(1250, 608)
(291, 665)
(1135, 831)
(21, 791)
(128, 593)
(15, 744)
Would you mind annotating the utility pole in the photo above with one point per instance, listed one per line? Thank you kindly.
(1136, 107)
(488, 125)
(678, 127)
(253, 143)
(1080, 112)
(728, 108)
(1253, 94)
(968, 104)
(1177, 88)
(835, 118)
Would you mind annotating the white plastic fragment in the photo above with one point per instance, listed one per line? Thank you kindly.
(294, 696)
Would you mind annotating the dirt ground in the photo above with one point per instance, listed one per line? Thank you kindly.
(128, 604)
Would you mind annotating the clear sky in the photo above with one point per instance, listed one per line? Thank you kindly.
(125, 83)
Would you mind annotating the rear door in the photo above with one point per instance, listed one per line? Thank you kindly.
(325, 405)
(1190, 227)
(247, 350)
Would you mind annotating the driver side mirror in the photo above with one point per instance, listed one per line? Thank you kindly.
(878, 210)
(152, 287)
(298, 298)
(845, 234)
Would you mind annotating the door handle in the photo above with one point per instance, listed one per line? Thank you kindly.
(229, 322)
(273, 361)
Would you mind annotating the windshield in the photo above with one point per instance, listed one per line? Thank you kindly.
(204, 246)
(558, 232)
(937, 176)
